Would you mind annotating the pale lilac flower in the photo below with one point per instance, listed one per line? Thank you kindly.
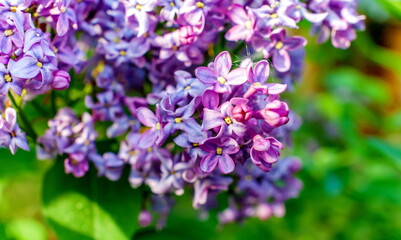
(245, 23)
(11, 135)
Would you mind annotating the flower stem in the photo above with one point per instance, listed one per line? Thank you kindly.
(27, 126)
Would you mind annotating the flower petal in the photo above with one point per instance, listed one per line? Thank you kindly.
(226, 164)
(25, 68)
(222, 63)
(237, 76)
(146, 117)
(281, 60)
(209, 162)
(206, 75)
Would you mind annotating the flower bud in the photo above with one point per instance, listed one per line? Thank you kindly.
(263, 211)
(187, 35)
(275, 113)
(242, 113)
(144, 218)
(61, 80)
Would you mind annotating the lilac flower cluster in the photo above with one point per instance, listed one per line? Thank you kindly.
(221, 128)
(223, 121)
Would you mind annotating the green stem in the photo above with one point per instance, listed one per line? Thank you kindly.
(53, 102)
(27, 126)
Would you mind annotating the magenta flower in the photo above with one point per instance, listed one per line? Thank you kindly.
(265, 152)
(220, 76)
(77, 164)
(275, 114)
(219, 152)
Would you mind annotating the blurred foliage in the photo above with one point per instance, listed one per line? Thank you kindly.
(350, 103)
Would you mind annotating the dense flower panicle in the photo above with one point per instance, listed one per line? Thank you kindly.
(214, 126)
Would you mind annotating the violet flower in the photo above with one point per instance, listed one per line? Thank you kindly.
(153, 135)
(220, 76)
(33, 63)
(219, 152)
(8, 80)
(279, 46)
(257, 76)
(223, 118)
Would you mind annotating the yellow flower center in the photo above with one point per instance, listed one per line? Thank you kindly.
(178, 120)
(221, 80)
(123, 53)
(172, 4)
(8, 78)
(13, 9)
(279, 45)
(158, 127)
(63, 9)
(149, 149)
(131, 153)
(138, 6)
(175, 48)
(187, 88)
(39, 64)
(87, 142)
(257, 84)
(8, 32)
(228, 120)
(116, 40)
(298, 7)
(99, 68)
(248, 25)
(200, 4)
(55, 50)
(219, 151)
(195, 144)
(274, 15)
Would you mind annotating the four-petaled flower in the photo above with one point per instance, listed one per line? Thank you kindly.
(219, 75)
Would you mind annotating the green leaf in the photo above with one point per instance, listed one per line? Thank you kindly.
(385, 148)
(90, 207)
(26, 229)
(393, 6)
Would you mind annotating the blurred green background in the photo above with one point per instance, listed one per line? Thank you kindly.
(349, 143)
